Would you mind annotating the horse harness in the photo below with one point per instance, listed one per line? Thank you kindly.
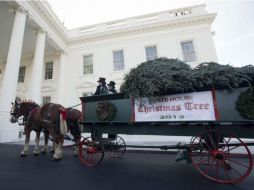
(48, 120)
(28, 116)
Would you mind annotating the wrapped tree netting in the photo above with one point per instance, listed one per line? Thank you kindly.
(207, 75)
(167, 76)
(158, 77)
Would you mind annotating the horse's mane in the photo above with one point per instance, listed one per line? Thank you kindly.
(28, 103)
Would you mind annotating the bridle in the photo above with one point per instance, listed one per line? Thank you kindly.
(14, 112)
(14, 108)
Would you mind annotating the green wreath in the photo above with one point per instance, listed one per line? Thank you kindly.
(245, 104)
(106, 111)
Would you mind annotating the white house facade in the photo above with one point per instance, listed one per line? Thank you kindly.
(43, 61)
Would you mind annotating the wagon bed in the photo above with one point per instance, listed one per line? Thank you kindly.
(210, 137)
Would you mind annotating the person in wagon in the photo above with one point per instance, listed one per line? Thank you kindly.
(101, 88)
(111, 87)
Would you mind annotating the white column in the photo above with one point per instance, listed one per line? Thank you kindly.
(61, 78)
(37, 72)
(8, 131)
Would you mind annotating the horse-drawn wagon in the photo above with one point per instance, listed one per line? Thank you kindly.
(210, 117)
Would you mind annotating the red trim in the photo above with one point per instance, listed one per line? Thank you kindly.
(63, 113)
(34, 110)
(133, 110)
(217, 115)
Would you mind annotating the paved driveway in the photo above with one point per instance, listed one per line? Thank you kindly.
(136, 171)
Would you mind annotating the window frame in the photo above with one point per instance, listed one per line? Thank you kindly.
(150, 46)
(45, 101)
(88, 65)
(21, 76)
(194, 50)
(49, 71)
(116, 62)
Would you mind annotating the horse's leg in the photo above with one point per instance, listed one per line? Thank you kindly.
(37, 142)
(57, 148)
(46, 140)
(27, 130)
(75, 131)
(53, 147)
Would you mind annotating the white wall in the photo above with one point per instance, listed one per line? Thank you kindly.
(168, 45)
(166, 32)
(75, 83)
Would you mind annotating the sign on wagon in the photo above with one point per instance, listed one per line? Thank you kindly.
(197, 106)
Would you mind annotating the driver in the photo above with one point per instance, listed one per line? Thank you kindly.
(101, 88)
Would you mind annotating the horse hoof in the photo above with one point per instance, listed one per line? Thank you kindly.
(36, 154)
(56, 159)
(23, 155)
(52, 151)
(43, 152)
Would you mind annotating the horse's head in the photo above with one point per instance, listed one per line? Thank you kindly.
(15, 111)
(21, 109)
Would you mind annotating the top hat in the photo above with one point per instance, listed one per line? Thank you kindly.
(112, 83)
(101, 79)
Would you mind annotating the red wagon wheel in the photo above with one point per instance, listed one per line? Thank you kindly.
(91, 152)
(221, 157)
(117, 147)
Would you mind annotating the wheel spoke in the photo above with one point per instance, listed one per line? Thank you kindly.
(203, 161)
(211, 141)
(231, 160)
(225, 171)
(215, 155)
(236, 171)
(202, 143)
(91, 152)
(218, 140)
(217, 169)
(118, 147)
(229, 140)
(200, 153)
(225, 145)
(232, 148)
(209, 166)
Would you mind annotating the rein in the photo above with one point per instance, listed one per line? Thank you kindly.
(74, 106)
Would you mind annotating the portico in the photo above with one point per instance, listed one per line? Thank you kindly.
(24, 40)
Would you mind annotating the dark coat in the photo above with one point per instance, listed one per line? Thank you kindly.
(113, 90)
(101, 89)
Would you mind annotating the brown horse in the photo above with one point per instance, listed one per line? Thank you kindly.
(52, 119)
(54, 123)
(31, 120)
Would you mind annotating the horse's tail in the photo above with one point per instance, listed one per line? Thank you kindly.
(63, 123)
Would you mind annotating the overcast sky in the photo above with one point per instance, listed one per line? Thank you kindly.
(233, 26)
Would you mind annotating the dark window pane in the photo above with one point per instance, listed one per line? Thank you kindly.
(22, 72)
(46, 99)
(49, 70)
